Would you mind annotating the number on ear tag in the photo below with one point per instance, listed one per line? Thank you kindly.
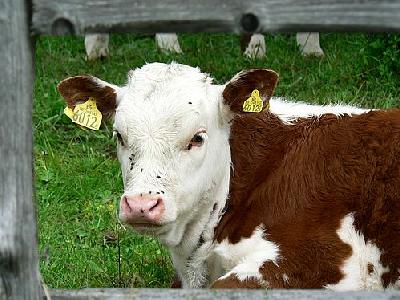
(85, 114)
(254, 103)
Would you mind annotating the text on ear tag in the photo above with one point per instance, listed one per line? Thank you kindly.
(85, 114)
(253, 103)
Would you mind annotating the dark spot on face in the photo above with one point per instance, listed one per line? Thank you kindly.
(120, 140)
(158, 176)
(190, 102)
(158, 193)
(141, 170)
(370, 268)
(201, 241)
(149, 192)
(141, 195)
(141, 210)
(162, 192)
(131, 157)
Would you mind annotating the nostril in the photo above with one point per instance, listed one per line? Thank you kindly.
(156, 204)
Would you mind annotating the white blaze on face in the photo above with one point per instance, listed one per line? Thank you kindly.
(162, 108)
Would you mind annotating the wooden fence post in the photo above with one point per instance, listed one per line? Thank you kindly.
(19, 276)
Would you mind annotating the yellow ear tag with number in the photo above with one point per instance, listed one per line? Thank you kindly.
(85, 114)
(254, 103)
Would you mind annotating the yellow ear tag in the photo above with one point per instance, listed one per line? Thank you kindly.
(85, 114)
(254, 103)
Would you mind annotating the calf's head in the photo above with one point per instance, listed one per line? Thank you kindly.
(172, 129)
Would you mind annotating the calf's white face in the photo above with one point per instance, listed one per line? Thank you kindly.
(172, 127)
(169, 137)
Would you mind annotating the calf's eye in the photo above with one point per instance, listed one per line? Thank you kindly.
(196, 141)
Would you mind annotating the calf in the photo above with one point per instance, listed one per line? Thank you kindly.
(290, 197)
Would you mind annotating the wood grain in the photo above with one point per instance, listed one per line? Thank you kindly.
(18, 243)
(151, 16)
(205, 294)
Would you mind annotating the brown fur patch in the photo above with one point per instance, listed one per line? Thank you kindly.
(240, 87)
(301, 180)
(233, 282)
(79, 88)
(370, 268)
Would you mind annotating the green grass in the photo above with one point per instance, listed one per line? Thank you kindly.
(78, 183)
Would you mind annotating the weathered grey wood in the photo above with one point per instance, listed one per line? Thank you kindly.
(18, 246)
(76, 16)
(166, 294)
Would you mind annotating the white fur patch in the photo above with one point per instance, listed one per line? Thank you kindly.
(289, 112)
(202, 268)
(245, 258)
(162, 108)
(355, 268)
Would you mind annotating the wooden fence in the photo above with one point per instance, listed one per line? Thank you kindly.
(21, 20)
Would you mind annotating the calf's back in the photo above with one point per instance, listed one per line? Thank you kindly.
(312, 184)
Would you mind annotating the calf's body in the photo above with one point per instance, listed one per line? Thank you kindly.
(289, 197)
(326, 191)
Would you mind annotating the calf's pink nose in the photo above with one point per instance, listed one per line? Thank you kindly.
(142, 209)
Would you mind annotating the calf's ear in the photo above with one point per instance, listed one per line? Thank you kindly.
(256, 83)
(79, 89)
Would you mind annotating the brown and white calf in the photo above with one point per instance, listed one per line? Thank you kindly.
(291, 197)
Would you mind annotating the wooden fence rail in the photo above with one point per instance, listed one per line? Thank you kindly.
(203, 294)
(19, 277)
(150, 16)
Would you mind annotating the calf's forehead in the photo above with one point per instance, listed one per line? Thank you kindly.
(164, 124)
(171, 104)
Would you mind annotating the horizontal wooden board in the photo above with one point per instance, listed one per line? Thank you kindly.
(151, 16)
(203, 294)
